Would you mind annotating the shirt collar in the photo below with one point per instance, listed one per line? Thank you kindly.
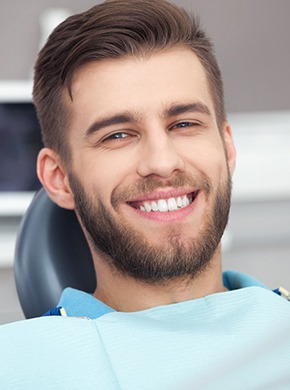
(81, 304)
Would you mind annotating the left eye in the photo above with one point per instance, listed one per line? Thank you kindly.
(184, 124)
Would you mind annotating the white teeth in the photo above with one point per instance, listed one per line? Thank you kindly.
(172, 205)
(179, 202)
(164, 205)
(147, 207)
(185, 201)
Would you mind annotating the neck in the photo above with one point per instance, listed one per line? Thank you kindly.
(127, 294)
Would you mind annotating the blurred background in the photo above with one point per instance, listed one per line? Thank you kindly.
(252, 41)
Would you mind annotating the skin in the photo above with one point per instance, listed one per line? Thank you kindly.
(151, 142)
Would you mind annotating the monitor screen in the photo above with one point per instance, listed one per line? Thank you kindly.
(20, 142)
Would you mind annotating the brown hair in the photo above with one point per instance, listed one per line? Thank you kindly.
(113, 29)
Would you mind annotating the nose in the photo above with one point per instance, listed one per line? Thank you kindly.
(159, 157)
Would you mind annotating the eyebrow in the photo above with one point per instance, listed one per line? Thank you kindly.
(178, 109)
(109, 121)
(127, 117)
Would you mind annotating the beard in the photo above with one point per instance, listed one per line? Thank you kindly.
(130, 253)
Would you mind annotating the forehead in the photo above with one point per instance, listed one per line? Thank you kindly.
(143, 84)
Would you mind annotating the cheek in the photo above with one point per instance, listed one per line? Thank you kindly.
(103, 173)
(207, 157)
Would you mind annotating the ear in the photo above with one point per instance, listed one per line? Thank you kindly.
(53, 176)
(229, 147)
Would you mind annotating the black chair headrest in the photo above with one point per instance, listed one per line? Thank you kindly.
(51, 254)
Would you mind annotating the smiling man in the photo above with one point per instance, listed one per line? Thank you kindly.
(130, 100)
(155, 196)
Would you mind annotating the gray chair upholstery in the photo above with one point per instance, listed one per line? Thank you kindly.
(51, 254)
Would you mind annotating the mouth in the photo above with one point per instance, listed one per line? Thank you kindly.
(166, 204)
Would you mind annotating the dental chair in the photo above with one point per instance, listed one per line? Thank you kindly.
(51, 254)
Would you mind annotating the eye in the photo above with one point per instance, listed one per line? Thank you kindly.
(184, 124)
(116, 136)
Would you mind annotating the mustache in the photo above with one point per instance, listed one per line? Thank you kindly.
(149, 184)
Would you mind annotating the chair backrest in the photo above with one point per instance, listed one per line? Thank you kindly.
(51, 254)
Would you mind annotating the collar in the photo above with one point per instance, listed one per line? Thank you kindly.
(81, 304)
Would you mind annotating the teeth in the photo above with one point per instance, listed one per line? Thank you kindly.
(185, 201)
(179, 202)
(172, 205)
(164, 205)
(147, 207)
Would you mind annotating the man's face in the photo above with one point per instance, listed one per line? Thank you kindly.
(150, 173)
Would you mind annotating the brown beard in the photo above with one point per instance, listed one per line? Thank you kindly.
(130, 253)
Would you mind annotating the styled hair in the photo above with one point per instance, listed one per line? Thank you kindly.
(113, 29)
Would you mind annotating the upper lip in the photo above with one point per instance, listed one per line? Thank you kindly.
(163, 194)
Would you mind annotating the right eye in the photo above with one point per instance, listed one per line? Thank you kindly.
(116, 136)
(117, 139)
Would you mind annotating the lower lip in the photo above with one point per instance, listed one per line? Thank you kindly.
(168, 216)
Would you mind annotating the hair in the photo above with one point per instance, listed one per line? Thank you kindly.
(113, 29)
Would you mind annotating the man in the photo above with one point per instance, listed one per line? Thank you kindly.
(130, 101)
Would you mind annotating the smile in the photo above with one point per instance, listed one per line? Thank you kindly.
(166, 205)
